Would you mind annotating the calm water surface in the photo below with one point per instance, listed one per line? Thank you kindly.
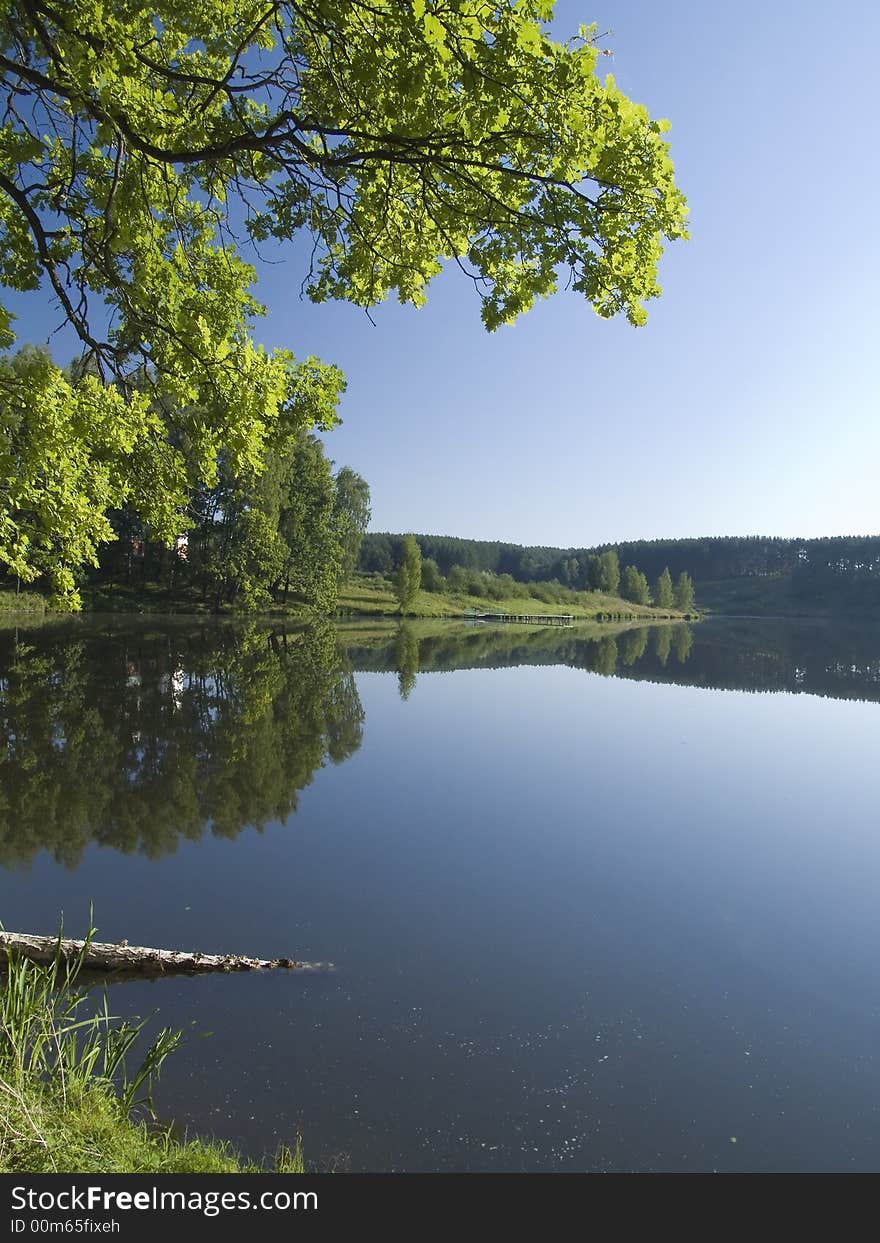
(596, 903)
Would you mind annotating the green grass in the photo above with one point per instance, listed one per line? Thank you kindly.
(365, 596)
(12, 601)
(84, 1131)
(70, 1101)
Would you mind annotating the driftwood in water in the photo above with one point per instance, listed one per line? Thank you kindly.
(131, 959)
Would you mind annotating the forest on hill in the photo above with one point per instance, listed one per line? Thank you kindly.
(730, 573)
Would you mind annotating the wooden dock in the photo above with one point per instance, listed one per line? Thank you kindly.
(540, 619)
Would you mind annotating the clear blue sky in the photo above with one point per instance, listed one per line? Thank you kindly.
(749, 403)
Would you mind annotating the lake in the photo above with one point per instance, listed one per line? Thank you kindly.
(596, 901)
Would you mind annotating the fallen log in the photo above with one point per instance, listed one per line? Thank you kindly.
(140, 959)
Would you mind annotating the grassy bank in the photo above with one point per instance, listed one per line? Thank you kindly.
(363, 596)
(366, 596)
(69, 1099)
(84, 1130)
(12, 601)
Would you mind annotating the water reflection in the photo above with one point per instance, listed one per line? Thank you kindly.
(406, 659)
(136, 737)
(832, 659)
(425, 647)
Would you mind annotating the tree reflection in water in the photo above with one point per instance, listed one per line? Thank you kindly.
(136, 736)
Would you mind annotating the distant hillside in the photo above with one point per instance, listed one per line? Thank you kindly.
(732, 574)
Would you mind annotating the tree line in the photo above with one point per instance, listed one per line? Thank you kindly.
(406, 560)
(832, 571)
(843, 570)
(288, 534)
(705, 559)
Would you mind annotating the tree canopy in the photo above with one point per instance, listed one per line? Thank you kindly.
(663, 594)
(142, 149)
(683, 592)
(287, 533)
(408, 576)
(634, 585)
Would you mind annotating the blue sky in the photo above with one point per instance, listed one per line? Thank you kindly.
(748, 404)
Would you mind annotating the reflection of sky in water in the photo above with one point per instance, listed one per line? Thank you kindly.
(579, 923)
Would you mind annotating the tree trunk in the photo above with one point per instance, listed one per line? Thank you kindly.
(101, 956)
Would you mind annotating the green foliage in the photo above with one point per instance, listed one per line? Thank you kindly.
(72, 452)
(494, 569)
(368, 595)
(376, 554)
(13, 601)
(684, 593)
(663, 598)
(351, 517)
(64, 451)
(50, 1033)
(404, 137)
(289, 530)
(256, 557)
(726, 574)
(609, 573)
(313, 547)
(634, 585)
(763, 574)
(432, 579)
(68, 1090)
(408, 576)
(570, 572)
(140, 146)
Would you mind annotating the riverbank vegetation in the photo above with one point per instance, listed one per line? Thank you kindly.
(726, 574)
(287, 534)
(591, 585)
(287, 545)
(374, 595)
(70, 1099)
(15, 601)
